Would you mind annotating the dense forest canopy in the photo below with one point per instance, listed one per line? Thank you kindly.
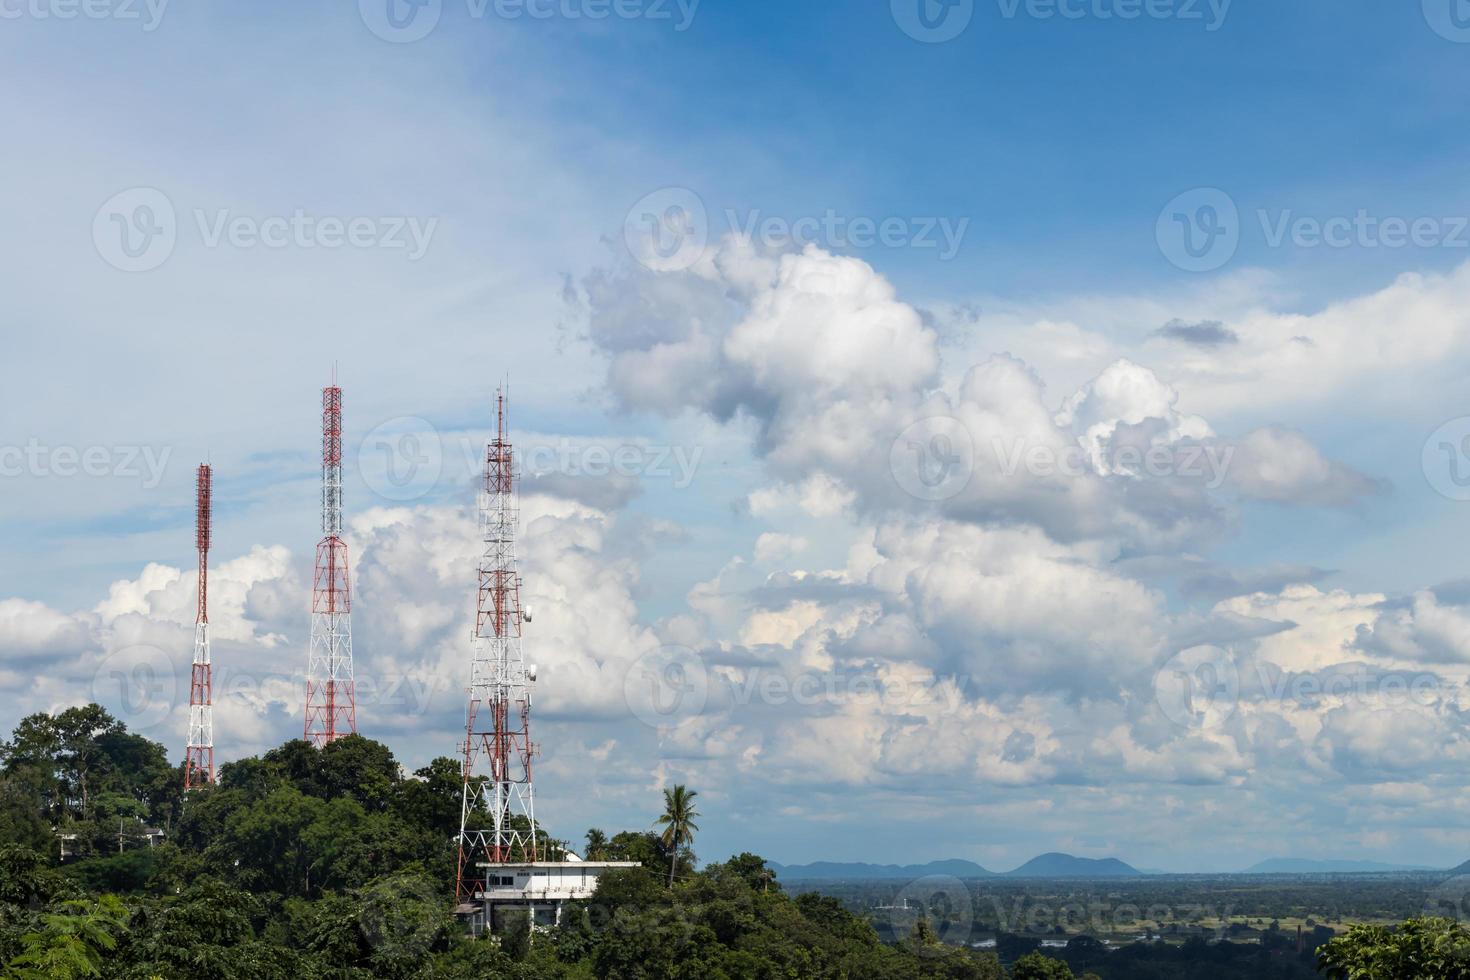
(335, 863)
(307, 863)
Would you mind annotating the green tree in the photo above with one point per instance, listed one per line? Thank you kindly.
(404, 918)
(1420, 949)
(1034, 966)
(71, 943)
(473, 960)
(678, 823)
(645, 847)
(596, 845)
(205, 933)
(514, 932)
(26, 877)
(432, 799)
(81, 770)
(32, 756)
(22, 820)
(751, 869)
(359, 768)
(81, 752)
(266, 839)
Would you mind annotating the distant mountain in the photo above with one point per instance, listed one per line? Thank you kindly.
(1462, 869)
(840, 870)
(1066, 866)
(1056, 865)
(1305, 866)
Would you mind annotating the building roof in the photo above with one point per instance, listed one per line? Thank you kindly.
(557, 864)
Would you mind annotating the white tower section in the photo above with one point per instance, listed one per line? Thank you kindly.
(331, 694)
(497, 812)
(199, 750)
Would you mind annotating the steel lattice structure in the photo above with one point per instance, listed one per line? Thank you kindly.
(331, 695)
(497, 813)
(199, 755)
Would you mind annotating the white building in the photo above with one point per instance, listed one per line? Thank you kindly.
(538, 887)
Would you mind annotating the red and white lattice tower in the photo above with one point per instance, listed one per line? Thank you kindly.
(199, 755)
(497, 814)
(331, 696)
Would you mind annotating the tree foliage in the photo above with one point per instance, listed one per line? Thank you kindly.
(1420, 949)
(1035, 966)
(303, 864)
(678, 823)
(334, 863)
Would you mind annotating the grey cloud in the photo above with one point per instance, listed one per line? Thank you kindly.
(1281, 465)
(1420, 628)
(1019, 747)
(609, 492)
(1199, 578)
(1206, 333)
(1220, 582)
(1453, 593)
(638, 536)
(1222, 629)
(782, 588)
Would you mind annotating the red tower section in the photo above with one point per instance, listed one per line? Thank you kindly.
(199, 755)
(497, 815)
(331, 697)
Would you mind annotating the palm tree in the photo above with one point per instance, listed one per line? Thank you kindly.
(679, 825)
(596, 845)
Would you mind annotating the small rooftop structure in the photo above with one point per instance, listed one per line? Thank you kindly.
(540, 888)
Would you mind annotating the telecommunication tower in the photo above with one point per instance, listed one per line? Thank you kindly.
(497, 813)
(331, 695)
(199, 754)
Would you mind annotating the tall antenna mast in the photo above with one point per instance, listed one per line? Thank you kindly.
(199, 755)
(497, 821)
(331, 694)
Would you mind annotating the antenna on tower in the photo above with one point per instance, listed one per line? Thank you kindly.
(497, 748)
(199, 753)
(331, 693)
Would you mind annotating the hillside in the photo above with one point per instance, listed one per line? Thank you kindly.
(1050, 865)
(1307, 866)
(860, 870)
(1056, 865)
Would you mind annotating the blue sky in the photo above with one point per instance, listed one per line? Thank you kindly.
(1056, 151)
